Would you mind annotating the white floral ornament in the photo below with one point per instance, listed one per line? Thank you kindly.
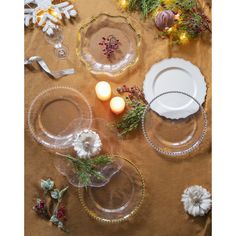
(87, 143)
(196, 200)
(47, 15)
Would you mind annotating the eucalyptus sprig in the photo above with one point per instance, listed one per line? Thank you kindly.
(86, 169)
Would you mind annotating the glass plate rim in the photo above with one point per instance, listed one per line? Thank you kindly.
(175, 153)
(31, 129)
(88, 66)
(93, 215)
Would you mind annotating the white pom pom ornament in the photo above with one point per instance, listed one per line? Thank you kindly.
(196, 200)
(87, 144)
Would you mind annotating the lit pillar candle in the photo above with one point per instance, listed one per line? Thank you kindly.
(117, 105)
(103, 90)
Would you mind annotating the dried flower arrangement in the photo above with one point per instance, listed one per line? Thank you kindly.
(57, 215)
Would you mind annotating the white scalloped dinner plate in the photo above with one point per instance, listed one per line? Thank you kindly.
(174, 74)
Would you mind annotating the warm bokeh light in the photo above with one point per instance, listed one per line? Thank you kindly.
(183, 38)
(123, 4)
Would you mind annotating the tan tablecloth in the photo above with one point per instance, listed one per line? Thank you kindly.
(162, 213)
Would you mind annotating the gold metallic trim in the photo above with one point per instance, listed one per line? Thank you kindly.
(138, 48)
(93, 215)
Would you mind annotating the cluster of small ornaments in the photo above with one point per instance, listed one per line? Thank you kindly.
(196, 200)
(45, 14)
(109, 45)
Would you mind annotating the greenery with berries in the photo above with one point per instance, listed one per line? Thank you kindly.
(131, 120)
(57, 215)
(190, 23)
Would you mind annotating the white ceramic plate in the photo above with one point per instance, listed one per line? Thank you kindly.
(174, 74)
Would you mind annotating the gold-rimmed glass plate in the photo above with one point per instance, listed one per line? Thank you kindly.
(91, 52)
(119, 199)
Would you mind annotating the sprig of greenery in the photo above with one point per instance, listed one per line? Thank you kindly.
(191, 23)
(132, 119)
(184, 5)
(145, 6)
(87, 168)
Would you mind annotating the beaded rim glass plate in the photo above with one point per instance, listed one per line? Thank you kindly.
(52, 111)
(118, 200)
(174, 137)
(92, 56)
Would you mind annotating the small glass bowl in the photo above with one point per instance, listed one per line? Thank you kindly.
(174, 136)
(119, 199)
(52, 113)
(91, 53)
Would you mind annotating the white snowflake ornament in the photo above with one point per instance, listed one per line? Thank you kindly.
(87, 143)
(46, 14)
(196, 200)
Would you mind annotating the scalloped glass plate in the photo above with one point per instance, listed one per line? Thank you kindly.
(52, 111)
(174, 137)
(118, 200)
(111, 145)
(90, 52)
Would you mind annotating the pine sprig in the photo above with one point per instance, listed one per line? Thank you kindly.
(145, 6)
(132, 119)
(87, 168)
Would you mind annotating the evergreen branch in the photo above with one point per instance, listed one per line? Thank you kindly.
(132, 119)
(87, 168)
(145, 6)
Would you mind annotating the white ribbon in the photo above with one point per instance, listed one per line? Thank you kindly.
(43, 65)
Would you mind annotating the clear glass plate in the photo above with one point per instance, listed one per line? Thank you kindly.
(52, 111)
(111, 145)
(119, 199)
(174, 137)
(92, 54)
